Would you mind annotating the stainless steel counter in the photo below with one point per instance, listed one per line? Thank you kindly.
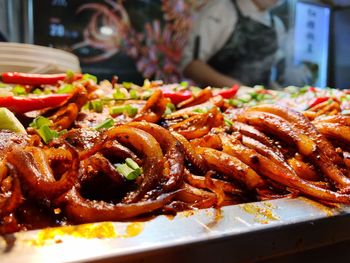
(246, 232)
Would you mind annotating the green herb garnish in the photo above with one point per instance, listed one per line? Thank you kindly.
(70, 74)
(40, 121)
(170, 108)
(228, 122)
(133, 94)
(89, 76)
(42, 126)
(96, 105)
(19, 90)
(125, 109)
(127, 85)
(200, 110)
(118, 94)
(37, 91)
(67, 88)
(106, 124)
(184, 84)
(130, 169)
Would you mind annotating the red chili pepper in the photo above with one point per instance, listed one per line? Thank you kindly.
(177, 96)
(228, 93)
(35, 79)
(312, 89)
(318, 100)
(26, 104)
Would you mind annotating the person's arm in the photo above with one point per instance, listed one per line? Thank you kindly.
(205, 75)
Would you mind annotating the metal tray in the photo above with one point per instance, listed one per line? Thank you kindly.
(246, 232)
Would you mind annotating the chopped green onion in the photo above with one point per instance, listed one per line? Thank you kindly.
(130, 169)
(127, 85)
(70, 74)
(131, 111)
(133, 94)
(184, 84)
(106, 124)
(260, 97)
(42, 126)
(126, 109)
(40, 121)
(170, 108)
(45, 133)
(89, 76)
(235, 102)
(19, 90)
(200, 110)
(228, 122)
(127, 172)
(117, 110)
(118, 94)
(96, 105)
(67, 88)
(37, 91)
(131, 163)
(47, 91)
(195, 90)
(303, 89)
(330, 101)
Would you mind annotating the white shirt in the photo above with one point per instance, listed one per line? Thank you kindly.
(215, 23)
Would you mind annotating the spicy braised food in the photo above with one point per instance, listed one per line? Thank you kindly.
(74, 151)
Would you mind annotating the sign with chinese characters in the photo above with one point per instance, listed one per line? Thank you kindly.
(311, 44)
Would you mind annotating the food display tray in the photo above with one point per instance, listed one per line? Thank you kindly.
(245, 232)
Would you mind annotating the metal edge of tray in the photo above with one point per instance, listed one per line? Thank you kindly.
(263, 223)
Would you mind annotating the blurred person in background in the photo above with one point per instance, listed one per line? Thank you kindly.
(2, 37)
(236, 42)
